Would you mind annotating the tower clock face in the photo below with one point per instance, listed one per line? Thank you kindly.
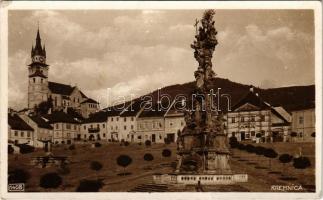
(38, 59)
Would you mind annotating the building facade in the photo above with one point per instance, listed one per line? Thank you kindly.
(19, 132)
(303, 124)
(95, 127)
(256, 120)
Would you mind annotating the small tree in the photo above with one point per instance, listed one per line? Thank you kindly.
(96, 166)
(124, 161)
(241, 146)
(148, 143)
(285, 158)
(166, 153)
(50, 180)
(270, 153)
(301, 162)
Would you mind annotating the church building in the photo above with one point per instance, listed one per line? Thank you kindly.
(61, 96)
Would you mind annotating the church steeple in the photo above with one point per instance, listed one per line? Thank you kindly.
(38, 53)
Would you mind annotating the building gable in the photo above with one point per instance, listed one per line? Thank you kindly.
(247, 107)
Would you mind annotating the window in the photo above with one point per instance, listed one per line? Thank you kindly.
(124, 119)
(41, 80)
(160, 125)
(131, 118)
(112, 119)
(252, 133)
(74, 127)
(56, 126)
(34, 80)
(98, 125)
(131, 127)
(170, 124)
(301, 120)
(139, 137)
(233, 134)
(252, 118)
(91, 126)
(182, 123)
(242, 119)
(22, 134)
(28, 134)
(125, 127)
(233, 120)
(117, 118)
(84, 127)
(111, 127)
(262, 118)
(103, 134)
(68, 126)
(116, 127)
(103, 125)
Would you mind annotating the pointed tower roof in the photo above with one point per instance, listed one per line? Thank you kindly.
(38, 50)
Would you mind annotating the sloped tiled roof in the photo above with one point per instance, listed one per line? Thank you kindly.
(60, 116)
(16, 123)
(252, 99)
(41, 122)
(100, 116)
(133, 109)
(59, 88)
(155, 111)
(89, 100)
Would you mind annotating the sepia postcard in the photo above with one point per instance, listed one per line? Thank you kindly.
(161, 100)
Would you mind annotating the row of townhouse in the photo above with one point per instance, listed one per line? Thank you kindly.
(251, 118)
(254, 119)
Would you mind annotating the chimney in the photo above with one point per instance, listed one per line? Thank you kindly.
(251, 88)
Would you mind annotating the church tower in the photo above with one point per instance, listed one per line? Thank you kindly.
(37, 75)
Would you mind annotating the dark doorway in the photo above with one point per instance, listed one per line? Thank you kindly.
(171, 137)
(153, 138)
(243, 135)
(91, 138)
(78, 136)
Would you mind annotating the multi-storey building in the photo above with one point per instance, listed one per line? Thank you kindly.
(252, 117)
(303, 123)
(95, 127)
(66, 128)
(19, 132)
(61, 95)
(43, 131)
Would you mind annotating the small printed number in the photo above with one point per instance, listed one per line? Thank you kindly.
(16, 187)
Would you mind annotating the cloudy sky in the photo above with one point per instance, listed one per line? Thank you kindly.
(138, 51)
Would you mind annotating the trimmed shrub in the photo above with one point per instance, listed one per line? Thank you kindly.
(50, 180)
(25, 148)
(250, 148)
(259, 150)
(71, 147)
(270, 153)
(233, 141)
(97, 144)
(148, 157)
(166, 153)
(285, 158)
(241, 146)
(301, 163)
(293, 134)
(126, 143)
(89, 186)
(148, 143)
(140, 143)
(64, 170)
(96, 166)
(124, 161)
(18, 176)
